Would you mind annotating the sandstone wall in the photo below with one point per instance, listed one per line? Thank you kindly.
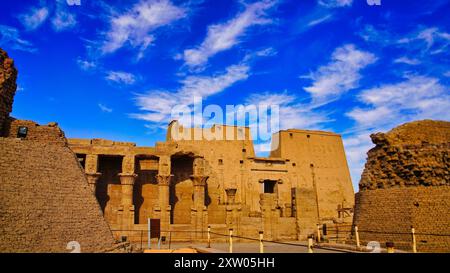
(8, 75)
(45, 201)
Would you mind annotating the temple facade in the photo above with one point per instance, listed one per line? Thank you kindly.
(192, 181)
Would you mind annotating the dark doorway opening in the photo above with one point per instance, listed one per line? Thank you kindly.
(82, 160)
(270, 186)
(145, 190)
(181, 189)
(109, 166)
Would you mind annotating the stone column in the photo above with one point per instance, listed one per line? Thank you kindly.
(127, 183)
(92, 179)
(91, 170)
(91, 164)
(199, 219)
(164, 195)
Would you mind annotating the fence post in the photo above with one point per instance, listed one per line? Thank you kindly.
(170, 238)
(318, 233)
(149, 234)
(209, 237)
(231, 240)
(414, 245)
(310, 244)
(358, 244)
(261, 244)
(390, 247)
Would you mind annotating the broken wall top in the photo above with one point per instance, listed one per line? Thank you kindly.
(8, 76)
(413, 154)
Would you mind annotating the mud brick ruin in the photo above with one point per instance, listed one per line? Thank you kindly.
(45, 200)
(406, 183)
(188, 185)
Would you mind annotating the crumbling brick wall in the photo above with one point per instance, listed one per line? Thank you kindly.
(413, 154)
(8, 75)
(45, 200)
(406, 183)
(50, 133)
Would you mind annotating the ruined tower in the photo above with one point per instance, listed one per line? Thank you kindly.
(8, 76)
(405, 184)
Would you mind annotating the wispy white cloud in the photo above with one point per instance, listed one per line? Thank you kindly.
(104, 108)
(320, 20)
(341, 74)
(10, 38)
(293, 113)
(417, 97)
(63, 19)
(423, 40)
(157, 105)
(429, 36)
(135, 28)
(120, 77)
(406, 60)
(86, 65)
(372, 34)
(34, 18)
(335, 3)
(224, 36)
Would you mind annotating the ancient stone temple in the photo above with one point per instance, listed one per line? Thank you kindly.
(46, 204)
(187, 184)
(405, 184)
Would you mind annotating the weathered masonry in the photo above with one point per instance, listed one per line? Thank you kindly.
(188, 185)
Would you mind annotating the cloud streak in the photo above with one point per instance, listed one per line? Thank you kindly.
(34, 18)
(62, 19)
(335, 3)
(104, 108)
(157, 105)
(221, 37)
(341, 74)
(120, 77)
(10, 38)
(135, 28)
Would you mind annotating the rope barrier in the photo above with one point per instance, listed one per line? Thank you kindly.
(402, 233)
(345, 231)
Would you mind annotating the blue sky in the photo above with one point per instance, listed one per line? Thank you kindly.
(112, 69)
